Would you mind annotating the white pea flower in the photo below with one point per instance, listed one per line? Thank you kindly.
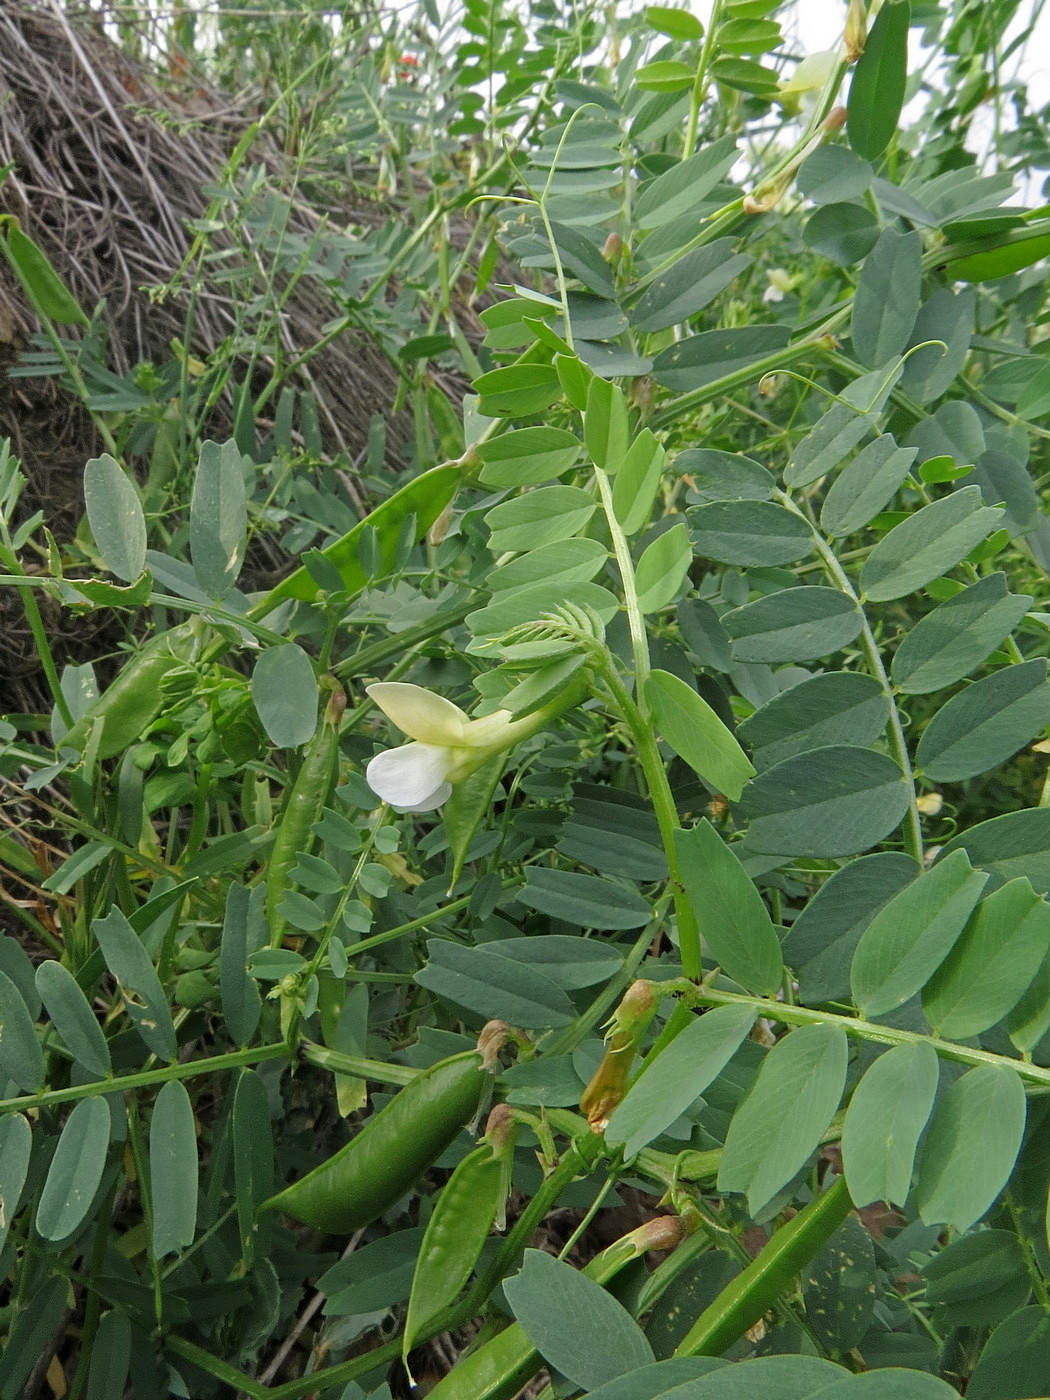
(448, 745)
(812, 73)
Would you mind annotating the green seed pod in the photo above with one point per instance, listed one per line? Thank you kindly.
(395, 1147)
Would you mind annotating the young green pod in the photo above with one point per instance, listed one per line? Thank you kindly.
(465, 1213)
(135, 698)
(390, 1153)
(499, 1369)
(303, 807)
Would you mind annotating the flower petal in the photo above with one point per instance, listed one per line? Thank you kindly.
(420, 713)
(413, 777)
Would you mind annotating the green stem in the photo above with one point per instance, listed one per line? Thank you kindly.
(625, 564)
(699, 89)
(666, 814)
(1036, 1077)
(362, 662)
(913, 831)
(213, 1065)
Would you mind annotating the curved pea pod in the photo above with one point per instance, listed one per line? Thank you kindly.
(499, 1369)
(423, 498)
(754, 1292)
(302, 808)
(135, 698)
(390, 1153)
(466, 1211)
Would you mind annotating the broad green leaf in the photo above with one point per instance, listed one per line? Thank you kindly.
(656, 1381)
(796, 624)
(701, 359)
(583, 899)
(681, 1072)
(733, 919)
(613, 834)
(993, 963)
(16, 1144)
(703, 633)
(1016, 843)
(21, 1058)
(876, 92)
(948, 317)
(842, 233)
(662, 568)
(517, 390)
(218, 517)
(540, 517)
(415, 506)
(949, 642)
(927, 544)
(637, 482)
(110, 1358)
(1015, 1360)
(605, 432)
(908, 940)
(494, 987)
(527, 456)
(688, 285)
(786, 1113)
(75, 1171)
(986, 723)
(682, 188)
(970, 1147)
(1029, 1021)
(40, 281)
(73, 1018)
(14, 960)
(253, 1154)
(1000, 255)
(832, 173)
(32, 1332)
(696, 733)
(866, 486)
(174, 1170)
(284, 692)
(665, 75)
(843, 425)
(886, 301)
(115, 515)
(513, 606)
(571, 963)
(468, 805)
(1004, 480)
(953, 430)
(884, 1121)
(769, 1377)
(378, 1275)
(833, 801)
(723, 476)
(821, 942)
(839, 1287)
(540, 687)
(139, 985)
(835, 708)
(745, 75)
(676, 24)
(890, 1383)
(749, 533)
(564, 561)
(978, 1279)
(575, 1325)
(241, 1005)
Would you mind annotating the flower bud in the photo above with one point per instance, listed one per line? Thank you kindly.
(609, 1083)
(491, 1041)
(856, 30)
(613, 248)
